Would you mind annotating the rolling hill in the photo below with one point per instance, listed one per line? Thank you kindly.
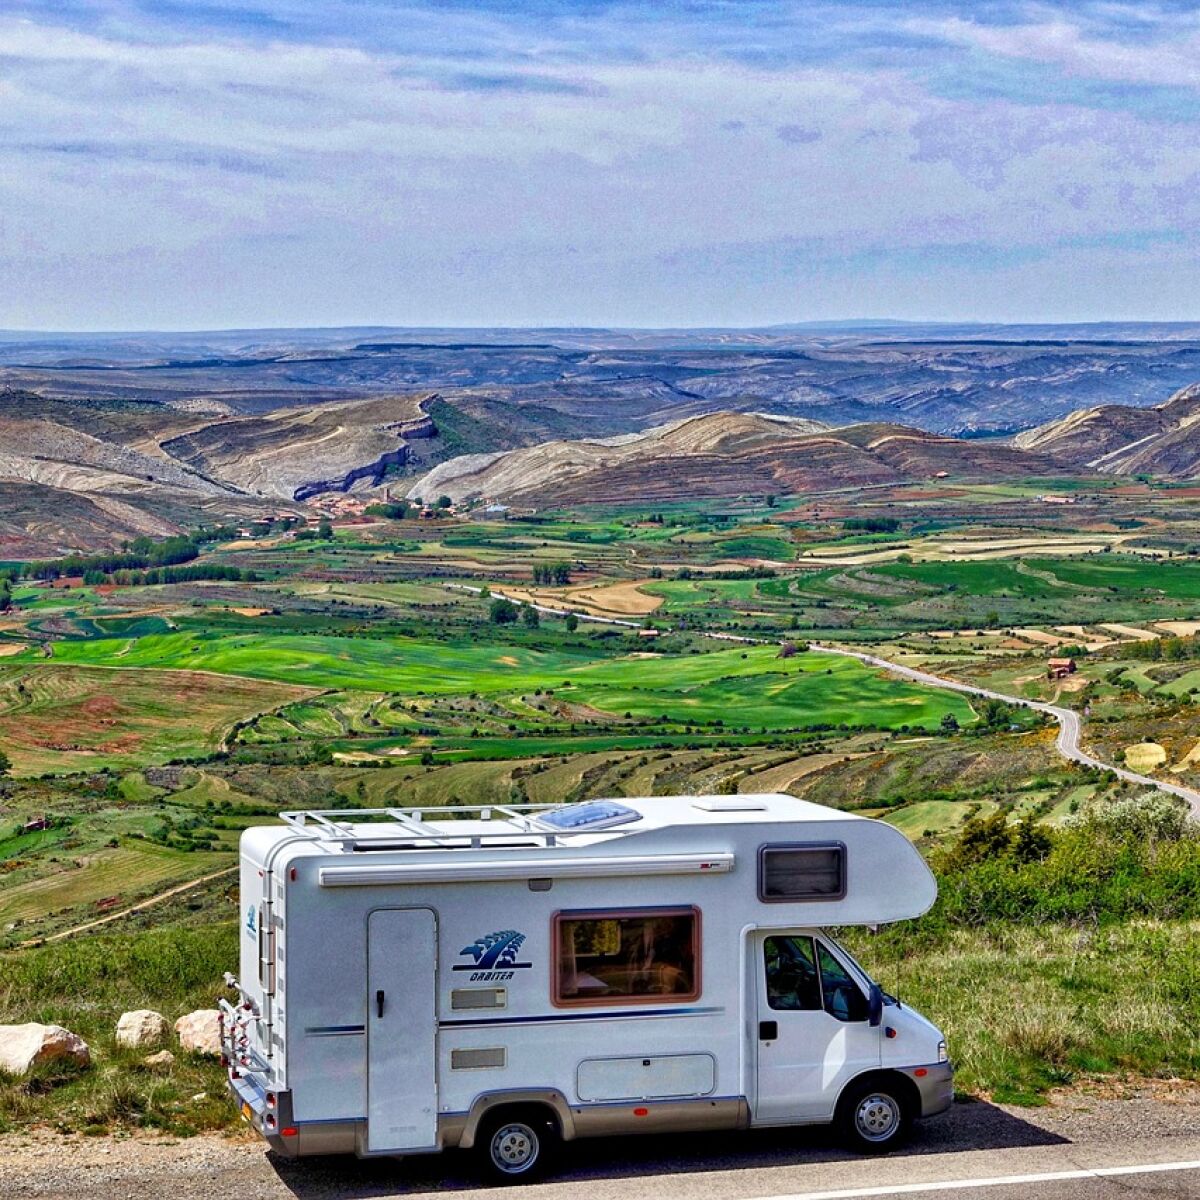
(84, 472)
(723, 454)
(1118, 439)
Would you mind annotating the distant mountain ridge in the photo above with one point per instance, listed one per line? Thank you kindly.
(1117, 439)
(945, 378)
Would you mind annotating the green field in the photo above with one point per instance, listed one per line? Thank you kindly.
(741, 687)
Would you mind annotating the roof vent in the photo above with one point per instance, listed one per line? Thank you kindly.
(592, 814)
(729, 804)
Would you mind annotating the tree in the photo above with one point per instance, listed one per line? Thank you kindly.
(949, 723)
(529, 615)
(572, 622)
(979, 839)
(5, 764)
(325, 529)
(502, 612)
(445, 502)
(1031, 842)
(5, 595)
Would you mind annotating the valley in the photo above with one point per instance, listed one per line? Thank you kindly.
(219, 607)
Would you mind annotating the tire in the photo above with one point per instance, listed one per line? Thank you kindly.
(875, 1115)
(517, 1146)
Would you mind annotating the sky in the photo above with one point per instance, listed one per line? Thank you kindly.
(179, 165)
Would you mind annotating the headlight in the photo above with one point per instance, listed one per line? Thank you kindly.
(942, 1055)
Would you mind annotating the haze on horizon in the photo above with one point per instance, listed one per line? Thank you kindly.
(702, 163)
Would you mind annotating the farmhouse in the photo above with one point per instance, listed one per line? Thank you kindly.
(1060, 668)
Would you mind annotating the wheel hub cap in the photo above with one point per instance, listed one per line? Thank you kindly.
(877, 1117)
(513, 1147)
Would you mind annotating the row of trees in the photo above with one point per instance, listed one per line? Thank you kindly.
(156, 575)
(552, 574)
(138, 554)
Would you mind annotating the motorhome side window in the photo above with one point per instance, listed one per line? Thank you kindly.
(791, 873)
(802, 976)
(626, 957)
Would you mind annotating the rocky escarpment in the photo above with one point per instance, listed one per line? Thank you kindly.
(372, 473)
(1119, 439)
(297, 453)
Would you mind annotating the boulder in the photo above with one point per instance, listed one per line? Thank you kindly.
(142, 1028)
(164, 1058)
(23, 1047)
(200, 1031)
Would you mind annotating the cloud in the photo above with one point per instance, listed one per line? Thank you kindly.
(797, 135)
(1171, 57)
(603, 162)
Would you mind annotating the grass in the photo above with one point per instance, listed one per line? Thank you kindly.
(1026, 1008)
(85, 985)
(126, 871)
(60, 718)
(935, 816)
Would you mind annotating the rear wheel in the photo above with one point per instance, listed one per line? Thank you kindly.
(517, 1146)
(875, 1116)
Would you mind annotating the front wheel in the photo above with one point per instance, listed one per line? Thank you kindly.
(517, 1148)
(874, 1117)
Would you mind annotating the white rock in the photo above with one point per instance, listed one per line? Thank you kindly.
(164, 1058)
(200, 1031)
(23, 1047)
(141, 1028)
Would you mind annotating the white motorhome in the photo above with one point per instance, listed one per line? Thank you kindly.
(511, 977)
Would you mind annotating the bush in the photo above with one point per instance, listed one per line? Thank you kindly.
(502, 612)
(1136, 857)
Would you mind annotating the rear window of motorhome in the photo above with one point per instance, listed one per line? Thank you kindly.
(810, 872)
(626, 957)
(596, 814)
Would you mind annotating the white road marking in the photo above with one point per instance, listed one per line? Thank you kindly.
(956, 1185)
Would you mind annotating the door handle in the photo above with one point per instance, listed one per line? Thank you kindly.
(768, 1031)
(379, 1003)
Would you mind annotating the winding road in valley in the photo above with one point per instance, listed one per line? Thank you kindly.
(1069, 725)
(1070, 729)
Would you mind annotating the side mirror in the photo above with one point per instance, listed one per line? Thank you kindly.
(875, 1006)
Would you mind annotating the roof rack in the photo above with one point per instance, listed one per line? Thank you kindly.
(337, 825)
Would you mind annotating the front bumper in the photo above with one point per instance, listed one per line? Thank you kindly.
(935, 1083)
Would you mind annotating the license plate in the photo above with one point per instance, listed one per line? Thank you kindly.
(247, 1112)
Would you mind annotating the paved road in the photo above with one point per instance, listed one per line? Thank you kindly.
(1087, 1148)
(1069, 728)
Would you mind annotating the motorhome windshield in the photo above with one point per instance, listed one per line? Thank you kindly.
(845, 955)
(596, 814)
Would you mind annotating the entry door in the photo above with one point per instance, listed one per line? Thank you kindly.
(813, 1033)
(401, 1030)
